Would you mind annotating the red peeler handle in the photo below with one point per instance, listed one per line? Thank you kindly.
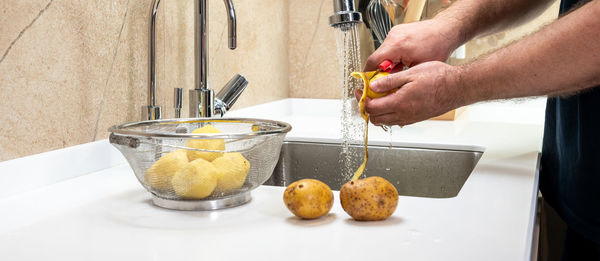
(387, 66)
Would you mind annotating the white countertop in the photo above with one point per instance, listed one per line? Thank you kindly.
(99, 211)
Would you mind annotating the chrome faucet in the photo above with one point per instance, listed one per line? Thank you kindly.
(344, 13)
(203, 102)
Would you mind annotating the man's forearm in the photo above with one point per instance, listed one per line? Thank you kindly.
(471, 18)
(562, 58)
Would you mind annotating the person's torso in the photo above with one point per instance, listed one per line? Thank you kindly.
(570, 171)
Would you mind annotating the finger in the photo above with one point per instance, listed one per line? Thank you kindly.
(358, 94)
(399, 123)
(403, 123)
(380, 55)
(372, 61)
(391, 119)
(380, 106)
(392, 81)
(385, 119)
(399, 67)
(393, 103)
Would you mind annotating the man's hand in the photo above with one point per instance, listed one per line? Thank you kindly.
(424, 91)
(415, 43)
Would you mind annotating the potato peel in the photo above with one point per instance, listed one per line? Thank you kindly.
(365, 116)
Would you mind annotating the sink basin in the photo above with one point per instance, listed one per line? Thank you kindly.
(419, 172)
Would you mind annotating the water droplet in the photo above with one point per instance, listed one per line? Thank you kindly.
(390, 137)
(414, 232)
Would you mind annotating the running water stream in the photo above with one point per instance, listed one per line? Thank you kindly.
(352, 125)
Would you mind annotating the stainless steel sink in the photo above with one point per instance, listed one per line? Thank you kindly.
(433, 173)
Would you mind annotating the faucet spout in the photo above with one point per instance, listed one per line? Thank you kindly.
(203, 102)
(201, 41)
(231, 24)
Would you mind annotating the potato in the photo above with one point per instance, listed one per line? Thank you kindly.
(159, 175)
(373, 198)
(205, 144)
(368, 78)
(308, 198)
(196, 180)
(232, 170)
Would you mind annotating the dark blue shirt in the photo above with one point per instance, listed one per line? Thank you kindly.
(570, 170)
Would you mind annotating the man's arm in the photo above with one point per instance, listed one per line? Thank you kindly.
(472, 18)
(434, 39)
(562, 58)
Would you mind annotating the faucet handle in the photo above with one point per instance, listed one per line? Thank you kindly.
(231, 92)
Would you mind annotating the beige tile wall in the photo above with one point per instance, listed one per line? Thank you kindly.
(312, 50)
(69, 69)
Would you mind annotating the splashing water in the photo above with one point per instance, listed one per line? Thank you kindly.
(390, 137)
(348, 47)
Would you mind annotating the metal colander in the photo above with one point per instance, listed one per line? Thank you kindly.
(144, 143)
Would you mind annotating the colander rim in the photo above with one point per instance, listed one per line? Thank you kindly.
(284, 127)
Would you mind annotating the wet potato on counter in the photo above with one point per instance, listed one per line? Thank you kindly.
(369, 199)
(308, 198)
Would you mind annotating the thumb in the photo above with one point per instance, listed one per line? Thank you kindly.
(389, 82)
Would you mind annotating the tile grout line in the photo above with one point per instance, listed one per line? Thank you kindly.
(24, 30)
(310, 44)
(212, 58)
(101, 109)
(164, 15)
